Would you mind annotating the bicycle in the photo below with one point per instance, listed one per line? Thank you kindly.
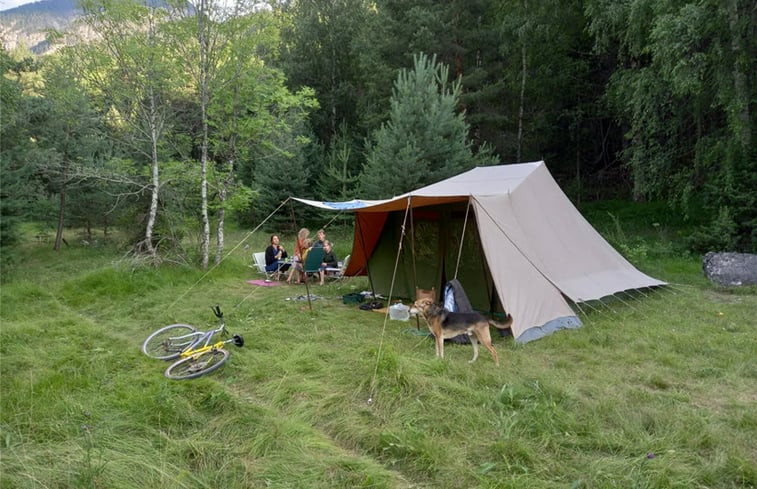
(197, 355)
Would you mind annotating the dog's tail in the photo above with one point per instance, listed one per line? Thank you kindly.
(502, 325)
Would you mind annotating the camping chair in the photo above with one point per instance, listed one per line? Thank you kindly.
(312, 264)
(337, 273)
(259, 258)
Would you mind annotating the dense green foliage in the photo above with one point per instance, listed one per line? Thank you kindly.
(424, 140)
(685, 86)
(632, 99)
(652, 393)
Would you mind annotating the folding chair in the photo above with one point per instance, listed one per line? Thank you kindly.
(259, 258)
(337, 273)
(312, 264)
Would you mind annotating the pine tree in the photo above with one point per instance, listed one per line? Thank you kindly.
(425, 140)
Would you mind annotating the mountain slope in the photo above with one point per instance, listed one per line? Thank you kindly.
(26, 25)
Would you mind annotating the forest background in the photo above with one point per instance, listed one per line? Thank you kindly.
(168, 119)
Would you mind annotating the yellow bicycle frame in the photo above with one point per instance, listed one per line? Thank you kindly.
(202, 350)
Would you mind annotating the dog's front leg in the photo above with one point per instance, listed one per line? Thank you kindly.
(474, 342)
(439, 346)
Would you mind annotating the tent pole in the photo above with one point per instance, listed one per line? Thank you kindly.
(462, 238)
(412, 243)
(307, 288)
(412, 255)
(294, 218)
(389, 299)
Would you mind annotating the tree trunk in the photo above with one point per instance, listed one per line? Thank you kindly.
(223, 192)
(203, 41)
(62, 208)
(230, 174)
(152, 215)
(578, 168)
(521, 110)
(743, 127)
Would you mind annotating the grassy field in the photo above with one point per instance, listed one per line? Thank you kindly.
(657, 392)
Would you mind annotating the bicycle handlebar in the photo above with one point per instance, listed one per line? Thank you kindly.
(217, 311)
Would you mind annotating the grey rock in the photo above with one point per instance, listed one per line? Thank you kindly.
(731, 269)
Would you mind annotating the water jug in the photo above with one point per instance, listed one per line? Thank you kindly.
(399, 312)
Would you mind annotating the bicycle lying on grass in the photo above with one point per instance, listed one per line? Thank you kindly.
(197, 355)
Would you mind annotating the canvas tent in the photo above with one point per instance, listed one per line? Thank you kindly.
(524, 248)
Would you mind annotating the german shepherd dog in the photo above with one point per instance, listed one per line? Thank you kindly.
(445, 324)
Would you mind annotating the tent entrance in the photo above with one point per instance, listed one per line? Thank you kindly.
(429, 255)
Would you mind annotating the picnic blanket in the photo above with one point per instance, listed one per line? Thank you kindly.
(263, 283)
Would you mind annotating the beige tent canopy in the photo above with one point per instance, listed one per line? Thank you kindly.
(534, 248)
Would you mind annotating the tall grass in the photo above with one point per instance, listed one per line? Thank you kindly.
(653, 392)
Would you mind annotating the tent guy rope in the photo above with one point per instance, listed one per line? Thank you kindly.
(189, 289)
(373, 384)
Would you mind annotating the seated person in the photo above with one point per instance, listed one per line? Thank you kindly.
(321, 239)
(329, 259)
(299, 247)
(275, 255)
(299, 266)
(308, 244)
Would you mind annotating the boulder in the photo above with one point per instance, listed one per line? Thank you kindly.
(730, 268)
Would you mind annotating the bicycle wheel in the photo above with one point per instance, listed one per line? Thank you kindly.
(191, 367)
(167, 342)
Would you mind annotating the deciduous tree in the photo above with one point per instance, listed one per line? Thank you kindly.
(130, 69)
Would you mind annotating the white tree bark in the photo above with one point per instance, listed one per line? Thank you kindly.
(202, 19)
(222, 193)
(152, 215)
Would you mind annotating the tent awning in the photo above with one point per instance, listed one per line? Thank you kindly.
(480, 181)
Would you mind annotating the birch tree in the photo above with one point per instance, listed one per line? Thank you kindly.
(246, 38)
(245, 108)
(201, 45)
(128, 66)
